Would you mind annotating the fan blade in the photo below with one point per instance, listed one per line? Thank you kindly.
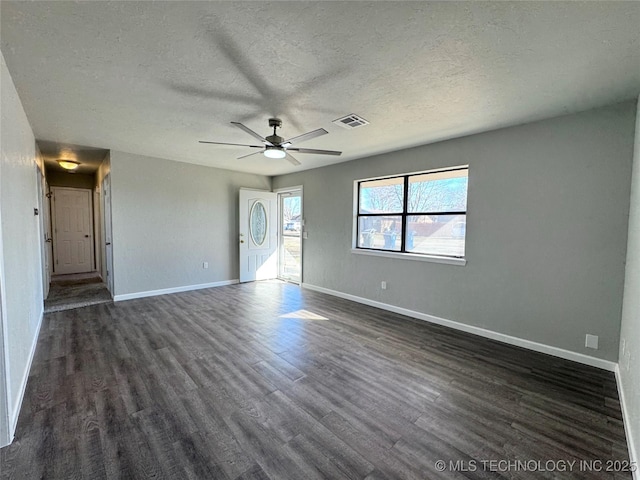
(233, 144)
(292, 160)
(251, 132)
(249, 154)
(313, 150)
(305, 136)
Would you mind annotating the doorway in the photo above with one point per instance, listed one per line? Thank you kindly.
(290, 234)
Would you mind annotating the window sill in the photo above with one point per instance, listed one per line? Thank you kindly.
(411, 256)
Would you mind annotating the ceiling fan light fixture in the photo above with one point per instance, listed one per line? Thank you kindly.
(274, 152)
(68, 164)
(274, 146)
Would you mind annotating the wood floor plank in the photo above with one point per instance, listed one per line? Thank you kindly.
(194, 459)
(268, 381)
(274, 458)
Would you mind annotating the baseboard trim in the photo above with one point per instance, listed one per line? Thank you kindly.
(500, 337)
(166, 291)
(15, 414)
(631, 445)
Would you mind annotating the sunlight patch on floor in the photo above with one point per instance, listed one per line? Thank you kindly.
(303, 315)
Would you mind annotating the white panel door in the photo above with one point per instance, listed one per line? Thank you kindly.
(72, 236)
(258, 235)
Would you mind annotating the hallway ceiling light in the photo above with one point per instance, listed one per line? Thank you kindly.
(68, 164)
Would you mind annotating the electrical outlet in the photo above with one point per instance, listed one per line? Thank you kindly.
(591, 341)
(383, 285)
(623, 345)
(305, 235)
(205, 265)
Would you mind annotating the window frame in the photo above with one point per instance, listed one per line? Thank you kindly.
(403, 253)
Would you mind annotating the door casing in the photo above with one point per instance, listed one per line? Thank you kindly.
(5, 392)
(107, 232)
(45, 229)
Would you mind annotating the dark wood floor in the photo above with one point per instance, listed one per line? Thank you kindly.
(264, 380)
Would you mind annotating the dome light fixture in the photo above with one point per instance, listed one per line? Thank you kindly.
(68, 164)
(275, 152)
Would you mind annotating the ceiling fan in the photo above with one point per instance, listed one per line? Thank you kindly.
(275, 146)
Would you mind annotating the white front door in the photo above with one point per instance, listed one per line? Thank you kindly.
(258, 235)
(73, 229)
(108, 252)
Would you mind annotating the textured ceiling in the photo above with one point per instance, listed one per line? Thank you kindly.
(153, 78)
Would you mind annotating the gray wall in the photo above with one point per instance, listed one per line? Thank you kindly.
(20, 260)
(170, 217)
(630, 328)
(546, 231)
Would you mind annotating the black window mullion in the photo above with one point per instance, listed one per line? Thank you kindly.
(458, 212)
(358, 218)
(405, 202)
(389, 214)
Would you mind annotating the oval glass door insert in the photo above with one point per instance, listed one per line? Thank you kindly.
(258, 223)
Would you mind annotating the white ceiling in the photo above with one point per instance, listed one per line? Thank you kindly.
(153, 78)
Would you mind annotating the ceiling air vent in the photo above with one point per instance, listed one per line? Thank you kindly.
(351, 121)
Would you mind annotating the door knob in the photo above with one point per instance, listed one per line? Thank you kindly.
(86, 236)
(108, 243)
(241, 241)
